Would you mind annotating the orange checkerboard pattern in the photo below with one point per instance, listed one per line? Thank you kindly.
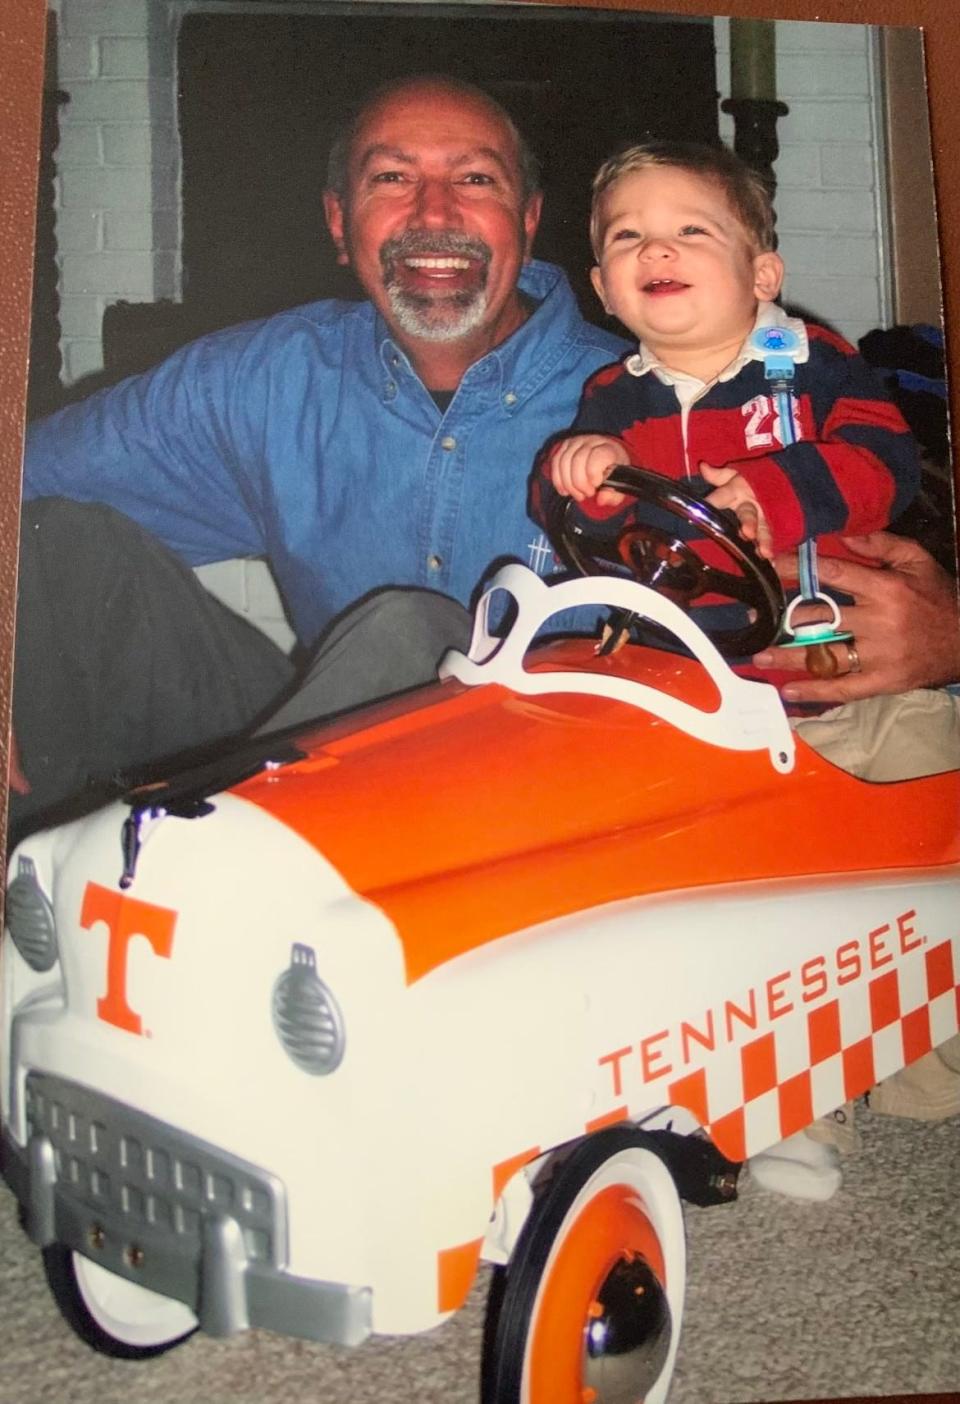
(803, 1068)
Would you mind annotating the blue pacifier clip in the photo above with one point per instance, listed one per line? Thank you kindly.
(780, 348)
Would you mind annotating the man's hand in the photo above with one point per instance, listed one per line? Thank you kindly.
(579, 465)
(905, 623)
(731, 490)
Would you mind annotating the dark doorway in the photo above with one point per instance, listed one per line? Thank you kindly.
(261, 95)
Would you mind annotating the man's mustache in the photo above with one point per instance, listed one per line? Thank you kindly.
(420, 243)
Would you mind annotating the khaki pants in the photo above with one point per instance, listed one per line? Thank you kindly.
(899, 738)
(889, 738)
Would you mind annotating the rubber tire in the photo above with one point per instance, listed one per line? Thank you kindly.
(517, 1288)
(78, 1310)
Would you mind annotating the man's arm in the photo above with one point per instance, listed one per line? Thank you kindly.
(905, 621)
(167, 448)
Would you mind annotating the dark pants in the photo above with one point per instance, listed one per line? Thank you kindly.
(124, 660)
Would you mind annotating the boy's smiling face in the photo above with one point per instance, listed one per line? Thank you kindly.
(679, 269)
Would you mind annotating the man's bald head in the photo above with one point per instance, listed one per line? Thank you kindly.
(427, 85)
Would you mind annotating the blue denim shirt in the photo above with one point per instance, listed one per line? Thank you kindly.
(309, 439)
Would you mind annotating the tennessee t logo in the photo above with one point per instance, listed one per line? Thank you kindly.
(124, 918)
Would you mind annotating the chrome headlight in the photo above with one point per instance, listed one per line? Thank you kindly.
(306, 1018)
(30, 919)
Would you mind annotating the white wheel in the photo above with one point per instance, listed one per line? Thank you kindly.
(591, 1301)
(115, 1316)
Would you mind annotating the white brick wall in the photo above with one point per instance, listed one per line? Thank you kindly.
(247, 587)
(118, 187)
(827, 171)
(111, 17)
(117, 183)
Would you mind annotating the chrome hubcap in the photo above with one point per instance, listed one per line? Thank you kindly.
(626, 1335)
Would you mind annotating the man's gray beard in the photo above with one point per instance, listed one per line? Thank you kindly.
(440, 318)
(437, 319)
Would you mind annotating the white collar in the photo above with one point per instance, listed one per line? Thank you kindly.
(768, 315)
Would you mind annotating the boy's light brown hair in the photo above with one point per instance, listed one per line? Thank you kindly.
(744, 188)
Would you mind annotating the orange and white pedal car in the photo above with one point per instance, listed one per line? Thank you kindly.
(296, 1040)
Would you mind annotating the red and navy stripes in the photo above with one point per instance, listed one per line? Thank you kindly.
(854, 469)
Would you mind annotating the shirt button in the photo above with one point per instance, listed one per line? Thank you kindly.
(434, 562)
(448, 443)
(509, 398)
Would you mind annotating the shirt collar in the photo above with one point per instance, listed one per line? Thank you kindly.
(768, 315)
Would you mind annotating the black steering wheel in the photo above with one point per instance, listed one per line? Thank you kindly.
(657, 558)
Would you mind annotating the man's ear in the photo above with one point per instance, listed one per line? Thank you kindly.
(767, 275)
(531, 222)
(596, 278)
(333, 213)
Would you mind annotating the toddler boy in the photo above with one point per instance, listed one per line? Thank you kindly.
(684, 241)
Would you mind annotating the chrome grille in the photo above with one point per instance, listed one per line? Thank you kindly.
(149, 1178)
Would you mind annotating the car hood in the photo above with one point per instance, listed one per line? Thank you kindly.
(469, 813)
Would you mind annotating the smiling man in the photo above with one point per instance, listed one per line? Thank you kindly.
(355, 445)
(434, 202)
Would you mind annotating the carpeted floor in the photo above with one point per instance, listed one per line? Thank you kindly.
(785, 1301)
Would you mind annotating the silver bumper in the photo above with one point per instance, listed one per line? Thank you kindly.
(170, 1212)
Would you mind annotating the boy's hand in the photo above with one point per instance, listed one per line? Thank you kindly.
(579, 465)
(732, 490)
